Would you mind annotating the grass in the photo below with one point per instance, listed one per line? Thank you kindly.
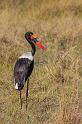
(55, 85)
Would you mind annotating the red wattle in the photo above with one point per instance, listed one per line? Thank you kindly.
(40, 45)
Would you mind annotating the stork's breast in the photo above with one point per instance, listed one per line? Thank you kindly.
(27, 55)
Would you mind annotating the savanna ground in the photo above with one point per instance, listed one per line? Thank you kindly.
(56, 82)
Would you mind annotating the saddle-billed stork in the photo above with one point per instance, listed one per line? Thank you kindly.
(25, 64)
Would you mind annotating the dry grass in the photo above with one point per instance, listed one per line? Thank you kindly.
(55, 86)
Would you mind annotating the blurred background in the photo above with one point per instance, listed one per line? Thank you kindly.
(56, 82)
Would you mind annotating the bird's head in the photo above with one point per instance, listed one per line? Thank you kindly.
(34, 39)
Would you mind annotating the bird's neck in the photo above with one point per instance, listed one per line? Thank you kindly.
(33, 48)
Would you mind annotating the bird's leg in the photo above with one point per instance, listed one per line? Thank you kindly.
(27, 92)
(20, 99)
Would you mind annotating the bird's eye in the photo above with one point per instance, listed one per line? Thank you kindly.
(35, 40)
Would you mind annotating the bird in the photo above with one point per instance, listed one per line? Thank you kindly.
(25, 63)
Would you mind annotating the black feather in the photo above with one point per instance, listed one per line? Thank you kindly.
(22, 70)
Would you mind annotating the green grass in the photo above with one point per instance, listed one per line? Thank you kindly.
(55, 85)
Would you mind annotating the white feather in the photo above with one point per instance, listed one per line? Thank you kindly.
(16, 86)
(27, 55)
